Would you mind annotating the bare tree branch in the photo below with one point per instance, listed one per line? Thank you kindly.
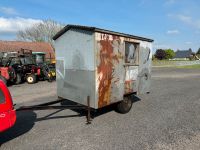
(41, 32)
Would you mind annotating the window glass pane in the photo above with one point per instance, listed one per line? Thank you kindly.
(15, 61)
(2, 97)
(131, 53)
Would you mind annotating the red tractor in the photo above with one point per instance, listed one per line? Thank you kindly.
(17, 67)
(7, 112)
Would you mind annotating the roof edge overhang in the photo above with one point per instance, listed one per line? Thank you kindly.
(94, 29)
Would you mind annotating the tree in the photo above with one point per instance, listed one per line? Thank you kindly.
(169, 54)
(40, 32)
(198, 52)
(160, 54)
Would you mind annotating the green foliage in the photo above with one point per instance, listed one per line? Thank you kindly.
(164, 54)
(160, 54)
(169, 54)
(198, 52)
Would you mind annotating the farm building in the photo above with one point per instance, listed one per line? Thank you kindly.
(183, 54)
(15, 46)
(102, 64)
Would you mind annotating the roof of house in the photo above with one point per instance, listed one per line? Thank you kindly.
(183, 54)
(94, 29)
(8, 46)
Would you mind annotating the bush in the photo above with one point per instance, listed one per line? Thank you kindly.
(198, 52)
(160, 54)
(169, 54)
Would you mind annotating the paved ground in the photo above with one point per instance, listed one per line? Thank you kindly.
(167, 118)
(24, 93)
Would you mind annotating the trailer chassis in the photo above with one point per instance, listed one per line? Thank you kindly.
(48, 105)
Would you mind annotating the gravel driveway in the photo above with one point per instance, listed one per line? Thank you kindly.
(167, 118)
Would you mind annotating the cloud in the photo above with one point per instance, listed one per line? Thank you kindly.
(189, 20)
(8, 11)
(142, 2)
(173, 32)
(161, 46)
(195, 23)
(197, 32)
(12, 25)
(169, 2)
(183, 18)
(188, 43)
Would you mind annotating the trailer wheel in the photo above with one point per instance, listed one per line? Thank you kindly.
(3, 79)
(125, 105)
(31, 78)
(18, 78)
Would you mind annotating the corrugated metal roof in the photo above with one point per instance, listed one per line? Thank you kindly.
(94, 29)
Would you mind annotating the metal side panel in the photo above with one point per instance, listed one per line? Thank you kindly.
(76, 47)
(75, 66)
(110, 71)
(130, 84)
(77, 85)
(144, 75)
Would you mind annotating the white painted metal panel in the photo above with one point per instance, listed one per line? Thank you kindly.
(77, 49)
(75, 66)
(88, 63)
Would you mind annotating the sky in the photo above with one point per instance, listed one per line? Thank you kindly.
(172, 24)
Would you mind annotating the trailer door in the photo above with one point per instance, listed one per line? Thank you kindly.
(131, 67)
(144, 74)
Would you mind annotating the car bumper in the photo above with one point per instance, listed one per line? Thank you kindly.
(7, 120)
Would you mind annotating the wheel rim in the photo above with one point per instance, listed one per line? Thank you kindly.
(128, 103)
(30, 79)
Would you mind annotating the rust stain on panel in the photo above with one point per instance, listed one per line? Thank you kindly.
(106, 68)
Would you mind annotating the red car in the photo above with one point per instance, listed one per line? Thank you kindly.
(7, 112)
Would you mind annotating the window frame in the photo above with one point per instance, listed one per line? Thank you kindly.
(137, 50)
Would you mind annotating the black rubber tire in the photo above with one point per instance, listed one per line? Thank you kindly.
(18, 79)
(3, 79)
(31, 79)
(125, 105)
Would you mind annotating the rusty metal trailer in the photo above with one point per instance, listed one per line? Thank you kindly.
(105, 65)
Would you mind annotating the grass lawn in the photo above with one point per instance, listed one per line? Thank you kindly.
(190, 67)
(166, 62)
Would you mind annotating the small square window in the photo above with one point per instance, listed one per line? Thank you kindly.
(131, 53)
